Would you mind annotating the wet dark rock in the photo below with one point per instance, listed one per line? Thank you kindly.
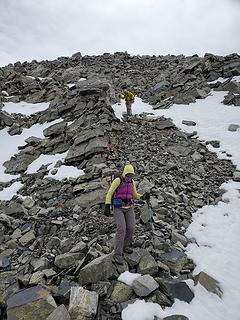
(176, 289)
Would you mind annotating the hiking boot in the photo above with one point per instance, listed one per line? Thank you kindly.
(128, 250)
(119, 259)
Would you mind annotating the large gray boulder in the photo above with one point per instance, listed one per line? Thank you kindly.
(67, 260)
(175, 289)
(86, 149)
(55, 129)
(144, 285)
(91, 198)
(101, 268)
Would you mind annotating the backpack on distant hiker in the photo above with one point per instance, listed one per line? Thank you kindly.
(129, 96)
(117, 200)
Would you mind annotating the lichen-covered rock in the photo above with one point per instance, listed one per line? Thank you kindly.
(83, 304)
(147, 264)
(121, 292)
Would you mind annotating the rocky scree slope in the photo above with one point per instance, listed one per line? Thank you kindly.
(55, 242)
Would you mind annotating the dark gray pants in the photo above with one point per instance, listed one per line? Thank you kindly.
(125, 222)
(129, 108)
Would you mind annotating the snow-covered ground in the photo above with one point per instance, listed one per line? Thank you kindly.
(24, 107)
(215, 228)
(51, 160)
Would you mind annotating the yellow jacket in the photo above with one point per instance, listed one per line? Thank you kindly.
(116, 183)
(129, 96)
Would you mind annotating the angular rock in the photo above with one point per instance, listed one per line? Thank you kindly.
(67, 260)
(23, 304)
(233, 127)
(28, 203)
(189, 123)
(60, 313)
(15, 210)
(121, 292)
(161, 86)
(147, 264)
(6, 118)
(164, 124)
(144, 285)
(179, 237)
(27, 238)
(83, 304)
(134, 258)
(36, 278)
(178, 150)
(160, 298)
(236, 176)
(55, 129)
(214, 143)
(101, 287)
(91, 198)
(101, 268)
(86, 149)
(176, 289)
(209, 283)
(175, 260)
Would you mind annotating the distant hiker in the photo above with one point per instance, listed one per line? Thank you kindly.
(121, 194)
(129, 97)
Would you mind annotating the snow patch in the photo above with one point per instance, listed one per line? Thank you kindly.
(66, 172)
(10, 144)
(24, 107)
(128, 277)
(7, 193)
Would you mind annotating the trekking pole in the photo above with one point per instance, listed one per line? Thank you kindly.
(150, 214)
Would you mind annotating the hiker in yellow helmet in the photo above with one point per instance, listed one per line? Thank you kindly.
(129, 97)
(121, 194)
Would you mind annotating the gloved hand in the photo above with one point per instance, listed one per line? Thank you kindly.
(146, 196)
(107, 210)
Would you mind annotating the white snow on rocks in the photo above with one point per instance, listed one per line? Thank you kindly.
(9, 192)
(66, 172)
(10, 144)
(24, 107)
(45, 159)
(128, 277)
(62, 172)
